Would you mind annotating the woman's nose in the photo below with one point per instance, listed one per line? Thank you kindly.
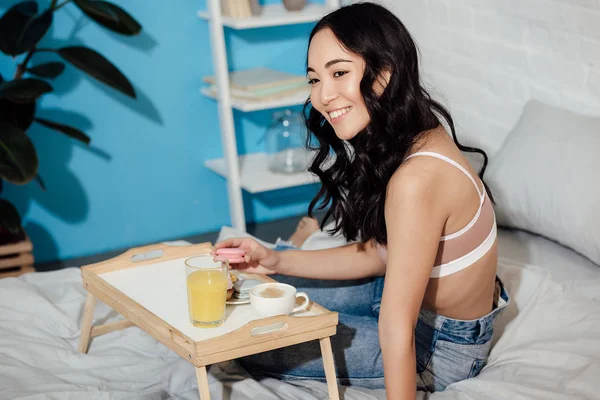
(328, 93)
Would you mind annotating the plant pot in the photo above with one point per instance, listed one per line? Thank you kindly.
(294, 5)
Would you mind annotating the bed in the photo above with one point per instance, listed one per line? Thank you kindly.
(546, 343)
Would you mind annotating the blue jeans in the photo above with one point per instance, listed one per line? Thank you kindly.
(355, 346)
(448, 350)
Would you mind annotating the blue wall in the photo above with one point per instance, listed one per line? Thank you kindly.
(142, 179)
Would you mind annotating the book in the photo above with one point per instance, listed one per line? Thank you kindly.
(263, 95)
(266, 91)
(259, 78)
(236, 8)
(246, 9)
(225, 11)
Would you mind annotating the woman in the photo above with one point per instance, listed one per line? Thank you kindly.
(425, 221)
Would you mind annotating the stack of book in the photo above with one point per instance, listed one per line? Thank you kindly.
(240, 8)
(261, 84)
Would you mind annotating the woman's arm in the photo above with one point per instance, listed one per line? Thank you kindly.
(352, 261)
(414, 220)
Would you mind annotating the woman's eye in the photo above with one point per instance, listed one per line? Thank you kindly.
(337, 74)
(312, 81)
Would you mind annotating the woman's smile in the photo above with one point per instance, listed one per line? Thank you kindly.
(339, 114)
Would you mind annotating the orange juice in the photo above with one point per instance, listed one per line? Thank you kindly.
(207, 293)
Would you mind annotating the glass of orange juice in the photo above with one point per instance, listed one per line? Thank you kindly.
(206, 281)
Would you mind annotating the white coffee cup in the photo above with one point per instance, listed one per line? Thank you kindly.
(274, 298)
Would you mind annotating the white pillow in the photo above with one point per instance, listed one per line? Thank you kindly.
(546, 178)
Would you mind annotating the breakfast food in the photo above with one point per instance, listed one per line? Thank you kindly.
(231, 279)
(241, 288)
(234, 255)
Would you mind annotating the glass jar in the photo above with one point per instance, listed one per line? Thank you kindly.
(286, 140)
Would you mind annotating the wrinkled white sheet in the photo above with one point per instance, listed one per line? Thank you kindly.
(547, 346)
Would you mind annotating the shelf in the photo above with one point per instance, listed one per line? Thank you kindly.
(255, 177)
(295, 99)
(274, 15)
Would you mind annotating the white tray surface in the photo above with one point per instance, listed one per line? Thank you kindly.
(161, 289)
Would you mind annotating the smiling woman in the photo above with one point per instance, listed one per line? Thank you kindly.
(365, 82)
(335, 87)
(418, 292)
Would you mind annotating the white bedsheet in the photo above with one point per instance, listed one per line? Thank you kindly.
(547, 343)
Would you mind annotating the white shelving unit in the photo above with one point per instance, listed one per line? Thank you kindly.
(250, 172)
(273, 15)
(255, 177)
(248, 106)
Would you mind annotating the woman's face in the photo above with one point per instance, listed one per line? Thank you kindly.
(334, 75)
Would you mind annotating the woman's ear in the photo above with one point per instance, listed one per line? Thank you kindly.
(382, 81)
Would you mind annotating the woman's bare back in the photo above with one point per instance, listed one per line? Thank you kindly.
(468, 293)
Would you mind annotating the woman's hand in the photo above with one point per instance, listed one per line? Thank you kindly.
(258, 258)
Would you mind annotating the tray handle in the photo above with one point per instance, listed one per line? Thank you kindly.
(162, 250)
(275, 324)
(151, 253)
(272, 327)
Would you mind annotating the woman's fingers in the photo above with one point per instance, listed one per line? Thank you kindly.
(259, 269)
(240, 266)
(253, 255)
(233, 242)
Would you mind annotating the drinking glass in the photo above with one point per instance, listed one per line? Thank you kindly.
(206, 281)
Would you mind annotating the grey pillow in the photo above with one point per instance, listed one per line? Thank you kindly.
(546, 177)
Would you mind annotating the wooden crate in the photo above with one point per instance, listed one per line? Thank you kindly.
(16, 258)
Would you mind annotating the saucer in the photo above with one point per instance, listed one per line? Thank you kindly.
(237, 302)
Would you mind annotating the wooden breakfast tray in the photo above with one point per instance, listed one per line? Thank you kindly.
(147, 286)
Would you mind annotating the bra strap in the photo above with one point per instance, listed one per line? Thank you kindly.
(450, 161)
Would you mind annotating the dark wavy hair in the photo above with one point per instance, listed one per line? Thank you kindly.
(354, 174)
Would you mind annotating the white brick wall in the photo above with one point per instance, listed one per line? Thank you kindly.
(485, 59)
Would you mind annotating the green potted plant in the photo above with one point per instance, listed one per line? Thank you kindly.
(22, 27)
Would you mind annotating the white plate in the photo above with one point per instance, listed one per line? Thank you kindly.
(235, 302)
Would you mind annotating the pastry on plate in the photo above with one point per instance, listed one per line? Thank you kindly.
(231, 279)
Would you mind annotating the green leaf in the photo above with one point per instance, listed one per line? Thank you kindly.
(95, 65)
(67, 130)
(18, 159)
(9, 217)
(110, 16)
(18, 114)
(47, 70)
(13, 24)
(24, 90)
(35, 29)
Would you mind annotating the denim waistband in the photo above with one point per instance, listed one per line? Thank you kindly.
(472, 327)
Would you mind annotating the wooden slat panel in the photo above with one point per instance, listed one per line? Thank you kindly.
(15, 248)
(16, 261)
(23, 270)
